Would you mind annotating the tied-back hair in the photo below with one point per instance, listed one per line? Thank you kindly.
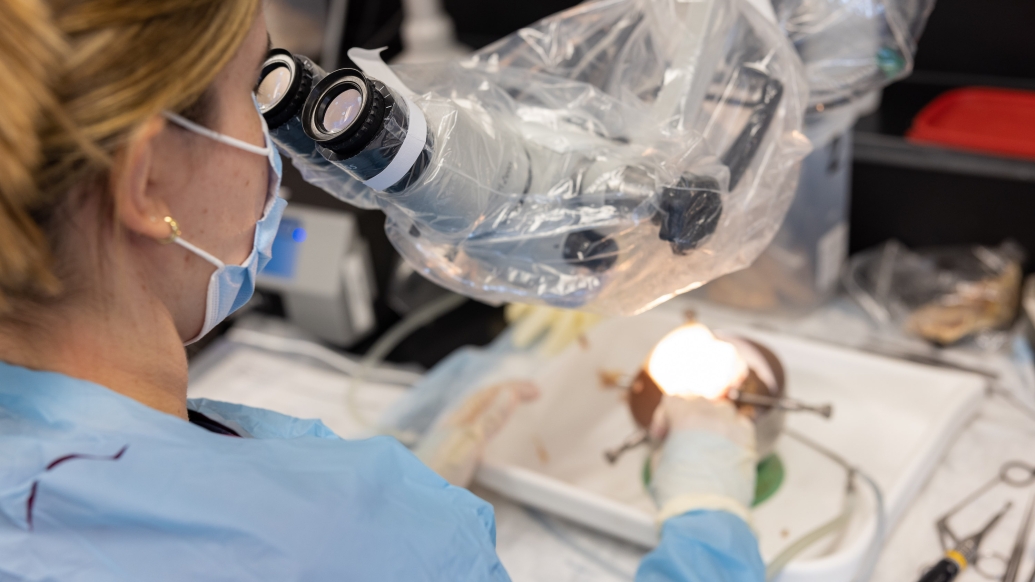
(77, 79)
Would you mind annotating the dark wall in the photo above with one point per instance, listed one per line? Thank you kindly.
(921, 208)
(480, 22)
(980, 37)
(375, 23)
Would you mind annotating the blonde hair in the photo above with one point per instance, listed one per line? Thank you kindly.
(77, 78)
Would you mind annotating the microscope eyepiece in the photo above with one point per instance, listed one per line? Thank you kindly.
(360, 125)
(284, 85)
(340, 112)
(345, 111)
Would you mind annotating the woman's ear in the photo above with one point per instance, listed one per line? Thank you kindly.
(136, 207)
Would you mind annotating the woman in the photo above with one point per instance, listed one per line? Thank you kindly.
(137, 202)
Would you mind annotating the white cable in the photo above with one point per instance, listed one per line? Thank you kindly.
(368, 367)
(313, 350)
(873, 553)
(417, 319)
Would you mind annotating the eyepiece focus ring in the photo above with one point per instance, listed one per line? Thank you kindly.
(291, 102)
(361, 127)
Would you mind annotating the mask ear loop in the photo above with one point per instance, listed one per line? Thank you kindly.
(226, 139)
(175, 237)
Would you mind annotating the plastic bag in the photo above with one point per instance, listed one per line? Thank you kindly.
(942, 294)
(800, 270)
(606, 158)
(852, 47)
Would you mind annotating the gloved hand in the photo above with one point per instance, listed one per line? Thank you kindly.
(708, 460)
(560, 326)
(455, 445)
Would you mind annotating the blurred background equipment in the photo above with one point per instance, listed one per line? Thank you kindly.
(996, 121)
(314, 28)
(851, 49)
(926, 194)
(943, 294)
(428, 34)
(321, 270)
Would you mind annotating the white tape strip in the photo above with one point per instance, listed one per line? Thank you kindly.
(416, 124)
(409, 151)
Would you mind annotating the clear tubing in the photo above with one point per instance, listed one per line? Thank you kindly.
(835, 526)
(869, 560)
(417, 319)
(873, 553)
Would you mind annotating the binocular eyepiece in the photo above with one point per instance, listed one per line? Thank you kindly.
(343, 119)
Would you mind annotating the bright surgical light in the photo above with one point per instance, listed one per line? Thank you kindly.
(692, 361)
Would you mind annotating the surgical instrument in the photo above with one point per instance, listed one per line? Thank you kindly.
(640, 437)
(963, 554)
(1013, 566)
(1016, 474)
(781, 403)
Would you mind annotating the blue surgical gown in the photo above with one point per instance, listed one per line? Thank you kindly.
(96, 486)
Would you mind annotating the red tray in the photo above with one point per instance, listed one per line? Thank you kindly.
(1000, 121)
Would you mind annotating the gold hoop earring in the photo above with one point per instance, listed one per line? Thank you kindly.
(174, 231)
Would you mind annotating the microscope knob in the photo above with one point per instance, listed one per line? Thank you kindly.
(688, 212)
(590, 249)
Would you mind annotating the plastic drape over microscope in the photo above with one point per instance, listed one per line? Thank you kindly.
(606, 158)
(853, 47)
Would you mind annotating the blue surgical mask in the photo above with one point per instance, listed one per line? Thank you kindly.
(231, 286)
